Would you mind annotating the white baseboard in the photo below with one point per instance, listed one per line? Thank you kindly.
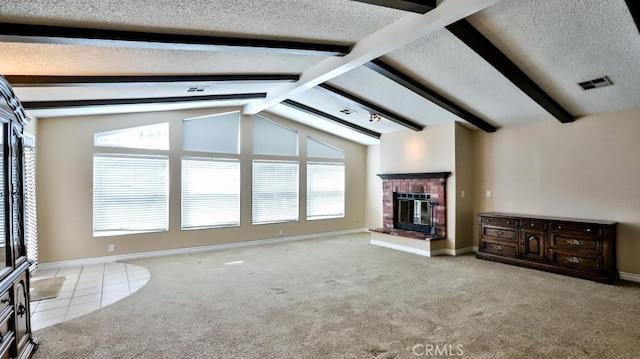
(214, 247)
(452, 252)
(400, 247)
(630, 277)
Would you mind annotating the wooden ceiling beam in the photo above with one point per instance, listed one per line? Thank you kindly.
(42, 105)
(370, 106)
(634, 8)
(418, 88)
(45, 34)
(470, 36)
(135, 80)
(315, 112)
(83, 81)
(417, 6)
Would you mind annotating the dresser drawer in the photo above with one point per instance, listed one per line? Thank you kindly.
(6, 335)
(501, 249)
(6, 353)
(585, 229)
(535, 225)
(499, 222)
(575, 243)
(576, 261)
(499, 233)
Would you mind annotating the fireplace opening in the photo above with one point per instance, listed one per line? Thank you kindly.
(415, 212)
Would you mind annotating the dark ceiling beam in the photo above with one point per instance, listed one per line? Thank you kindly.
(315, 112)
(464, 31)
(82, 81)
(417, 6)
(150, 40)
(634, 8)
(42, 105)
(403, 79)
(369, 106)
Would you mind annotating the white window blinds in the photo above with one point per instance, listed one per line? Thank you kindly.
(130, 194)
(274, 191)
(325, 190)
(210, 193)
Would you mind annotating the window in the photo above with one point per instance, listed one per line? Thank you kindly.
(130, 194)
(217, 133)
(153, 137)
(271, 138)
(325, 190)
(320, 149)
(274, 191)
(210, 193)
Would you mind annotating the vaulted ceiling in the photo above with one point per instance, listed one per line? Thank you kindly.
(416, 63)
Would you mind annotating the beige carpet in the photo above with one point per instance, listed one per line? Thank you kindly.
(45, 288)
(343, 298)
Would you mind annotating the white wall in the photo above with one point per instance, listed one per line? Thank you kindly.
(586, 169)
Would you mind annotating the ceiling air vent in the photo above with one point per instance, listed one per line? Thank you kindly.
(348, 111)
(595, 83)
(196, 89)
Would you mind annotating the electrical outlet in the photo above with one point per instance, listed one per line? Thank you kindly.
(488, 194)
(462, 193)
(112, 248)
(280, 232)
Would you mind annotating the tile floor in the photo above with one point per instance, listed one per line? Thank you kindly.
(86, 289)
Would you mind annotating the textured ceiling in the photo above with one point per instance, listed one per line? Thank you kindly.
(41, 59)
(336, 21)
(561, 43)
(378, 89)
(446, 65)
(556, 43)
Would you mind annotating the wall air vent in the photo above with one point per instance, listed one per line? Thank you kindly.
(348, 111)
(595, 83)
(196, 89)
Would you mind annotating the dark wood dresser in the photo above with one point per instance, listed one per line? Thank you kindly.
(16, 340)
(575, 247)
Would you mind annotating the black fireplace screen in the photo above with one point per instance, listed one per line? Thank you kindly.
(414, 212)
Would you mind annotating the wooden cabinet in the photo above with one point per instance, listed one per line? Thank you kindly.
(16, 340)
(575, 247)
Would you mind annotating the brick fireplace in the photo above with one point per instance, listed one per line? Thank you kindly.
(414, 205)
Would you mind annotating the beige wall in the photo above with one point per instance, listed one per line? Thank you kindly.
(586, 169)
(65, 160)
(465, 176)
(430, 150)
(373, 214)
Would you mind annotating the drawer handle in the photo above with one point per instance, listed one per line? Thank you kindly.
(4, 300)
(559, 227)
(574, 242)
(499, 233)
(21, 310)
(499, 248)
(574, 260)
(533, 224)
(589, 230)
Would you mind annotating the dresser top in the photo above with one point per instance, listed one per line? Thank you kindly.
(547, 218)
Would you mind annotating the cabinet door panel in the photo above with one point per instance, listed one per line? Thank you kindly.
(17, 205)
(5, 252)
(532, 244)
